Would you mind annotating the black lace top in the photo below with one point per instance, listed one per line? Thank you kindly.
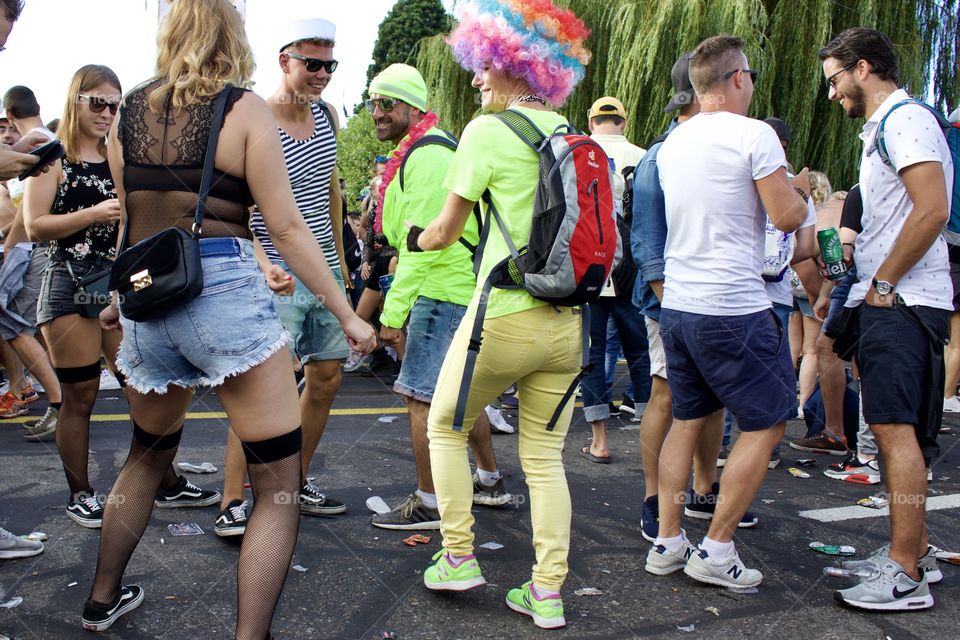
(83, 185)
(163, 162)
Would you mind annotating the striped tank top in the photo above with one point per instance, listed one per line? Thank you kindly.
(310, 165)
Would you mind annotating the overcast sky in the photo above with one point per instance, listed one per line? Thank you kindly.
(53, 38)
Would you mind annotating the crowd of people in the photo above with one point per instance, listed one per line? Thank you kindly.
(721, 300)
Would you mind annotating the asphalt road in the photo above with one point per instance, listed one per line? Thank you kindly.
(362, 582)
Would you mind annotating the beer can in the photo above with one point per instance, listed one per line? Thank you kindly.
(832, 252)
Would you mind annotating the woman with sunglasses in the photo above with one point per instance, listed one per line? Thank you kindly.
(230, 336)
(74, 208)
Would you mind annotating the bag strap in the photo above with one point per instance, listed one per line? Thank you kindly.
(473, 349)
(523, 127)
(219, 109)
(585, 366)
(76, 280)
(422, 142)
(880, 143)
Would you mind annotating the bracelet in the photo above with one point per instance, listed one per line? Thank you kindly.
(802, 193)
(413, 237)
(846, 244)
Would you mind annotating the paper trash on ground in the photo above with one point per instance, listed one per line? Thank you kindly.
(493, 546)
(203, 467)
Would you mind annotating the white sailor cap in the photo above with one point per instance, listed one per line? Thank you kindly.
(310, 29)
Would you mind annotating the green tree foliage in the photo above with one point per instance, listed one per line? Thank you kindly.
(635, 43)
(356, 148)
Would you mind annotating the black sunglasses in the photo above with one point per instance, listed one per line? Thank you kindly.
(753, 74)
(832, 79)
(315, 64)
(98, 104)
(386, 104)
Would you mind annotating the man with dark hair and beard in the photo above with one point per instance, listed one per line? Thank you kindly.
(903, 300)
(430, 290)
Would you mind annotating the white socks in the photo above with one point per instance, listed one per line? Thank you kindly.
(429, 499)
(671, 544)
(488, 478)
(718, 551)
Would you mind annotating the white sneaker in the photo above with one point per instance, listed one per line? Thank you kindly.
(887, 589)
(498, 423)
(661, 562)
(729, 572)
(108, 381)
(951, 405)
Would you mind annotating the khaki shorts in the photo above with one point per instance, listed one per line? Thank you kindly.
(658, 359)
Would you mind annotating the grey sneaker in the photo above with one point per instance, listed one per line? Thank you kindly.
(729, 572)
(409, 515)
(12, 546)
(314, 502)
(887, 589)
(855, 470)
(492, 496)
(661, 562)
(927, 563)
(44, 428)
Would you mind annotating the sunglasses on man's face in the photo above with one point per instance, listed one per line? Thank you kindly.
(315, 64)
(753, 74)
(98, 104)
(386, 104)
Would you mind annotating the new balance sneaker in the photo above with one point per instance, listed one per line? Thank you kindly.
(314, 502)
(661, 562)
(43, 429)
(650, 519)
(927, 563)
(492, 496)
(854, 469)
(12, 407)
(232, 521)
(823, 442)
(888, 588)
(409, 515)
(498, 424)
(729, 572)
(547, 611)
(702, 507)
(29, 395)
(86, 511)
(453, 574)
(12, 546)
(99, 617)
(724, 454)
(185, 494)
(510, 402)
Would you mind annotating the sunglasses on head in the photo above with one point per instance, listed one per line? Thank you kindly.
(753, 74)
(315, 64)
(386, 104)
(98, 104)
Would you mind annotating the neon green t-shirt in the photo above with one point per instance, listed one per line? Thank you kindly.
(491, 156)
(440, 275)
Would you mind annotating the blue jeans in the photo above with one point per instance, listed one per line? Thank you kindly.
(633, 334)
(613, 354)
(430, 331)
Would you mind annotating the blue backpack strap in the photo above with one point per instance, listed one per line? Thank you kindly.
(881, 143)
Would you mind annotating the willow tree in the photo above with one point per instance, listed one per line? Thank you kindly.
(635, 43)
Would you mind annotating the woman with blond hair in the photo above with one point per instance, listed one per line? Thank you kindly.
(74, 208)
(229, 336)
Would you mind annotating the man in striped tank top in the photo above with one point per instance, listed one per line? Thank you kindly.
(307, 131)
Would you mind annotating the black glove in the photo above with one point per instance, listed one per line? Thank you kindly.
(413, 236)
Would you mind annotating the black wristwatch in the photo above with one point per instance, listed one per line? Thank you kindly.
(883, 287)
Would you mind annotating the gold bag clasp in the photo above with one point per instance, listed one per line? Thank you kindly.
(141, 280)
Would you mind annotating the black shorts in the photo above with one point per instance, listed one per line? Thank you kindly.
(380, 267)
(955, 277)
(901, 368)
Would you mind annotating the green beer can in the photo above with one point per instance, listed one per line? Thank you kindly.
(832, 252)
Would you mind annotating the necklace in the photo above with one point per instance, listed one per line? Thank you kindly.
(530, 98)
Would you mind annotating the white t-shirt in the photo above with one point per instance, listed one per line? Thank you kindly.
(715, 222)
(782, 292)
(624, 153)
(912, 135)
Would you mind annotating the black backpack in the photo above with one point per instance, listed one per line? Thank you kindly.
(624, 275)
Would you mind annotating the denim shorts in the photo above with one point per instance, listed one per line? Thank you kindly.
(58, 292)
(315, 332)
(20, 281)
(738, 362)
(429, 334)
(231, 327)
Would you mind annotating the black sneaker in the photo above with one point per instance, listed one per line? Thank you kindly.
(627, 406)
(614, 410)
(724, 454)
(314, 502)
(86, 511)
(185, 494)
(99, 617)
(492, 496)
(409, 515)
(702, 507)
(232, 521)
(650, 519)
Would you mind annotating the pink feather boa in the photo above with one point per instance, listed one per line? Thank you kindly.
(428, 122)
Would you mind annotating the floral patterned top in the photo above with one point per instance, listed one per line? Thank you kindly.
(83, 185)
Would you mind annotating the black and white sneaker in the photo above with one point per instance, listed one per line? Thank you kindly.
(702, 507)
(232, 521)
(86, 511)
(185, 494)
(99, 617)
(490, 496)
(314, 502)
(409, 515)
(627, 406)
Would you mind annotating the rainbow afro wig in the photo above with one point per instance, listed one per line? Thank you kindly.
(529, 39)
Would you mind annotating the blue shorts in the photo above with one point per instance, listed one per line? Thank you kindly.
(838, 297)
(231, 327)
(315, 333)
(430, 331)
(58, 290)
(738, 362)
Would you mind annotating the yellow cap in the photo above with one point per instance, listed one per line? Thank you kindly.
(607, 106)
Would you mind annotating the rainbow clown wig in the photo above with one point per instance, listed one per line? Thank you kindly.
(529, 39)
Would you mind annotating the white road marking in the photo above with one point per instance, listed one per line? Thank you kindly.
(855, 512)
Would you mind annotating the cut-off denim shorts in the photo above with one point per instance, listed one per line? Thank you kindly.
(430, 331)
(231, 327)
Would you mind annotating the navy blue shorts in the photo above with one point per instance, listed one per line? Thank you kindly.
(738, 362)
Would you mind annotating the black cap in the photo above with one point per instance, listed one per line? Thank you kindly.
(781, 127)
(682, 87)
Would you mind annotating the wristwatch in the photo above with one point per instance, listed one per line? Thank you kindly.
(883, 287)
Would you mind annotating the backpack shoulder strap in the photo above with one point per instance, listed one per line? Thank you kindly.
(523, 127)
(881, 142)
(326, 112)
(660, 138)
(422, 142)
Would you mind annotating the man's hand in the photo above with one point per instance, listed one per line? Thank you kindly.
(279, 281)
(390, 336)
(12, 163)
(30, 142)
